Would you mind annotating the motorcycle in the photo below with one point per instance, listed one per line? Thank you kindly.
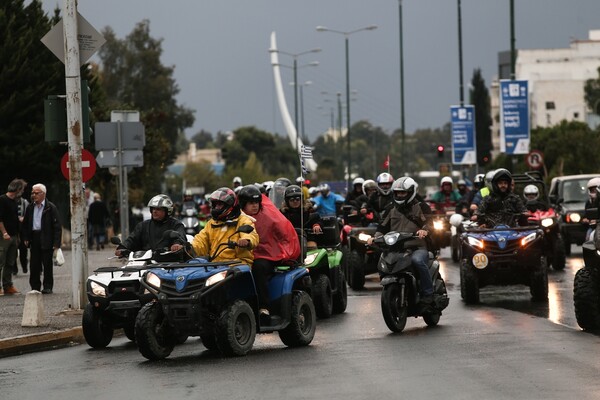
(400, 294)
(218, 302)
(554, 246)
(440, 221)
(114, 294)
(190, 220)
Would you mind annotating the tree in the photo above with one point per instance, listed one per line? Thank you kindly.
(200, 174)
(203, 140)
(133, 77)
(592, 93)
(480, 98)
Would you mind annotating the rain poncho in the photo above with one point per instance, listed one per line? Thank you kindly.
(278, 238)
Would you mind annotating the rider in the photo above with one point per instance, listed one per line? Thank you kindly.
(484, 191)
(325, 203)
(227, 218)
(381, 199)
(531, 193)
(357, 191)
(446, 197)
(407, 216)
(149, 234)
(501, 205)
(278, 244)
(591, 203)
(300, 212)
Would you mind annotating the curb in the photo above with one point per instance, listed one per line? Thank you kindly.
(29, 343)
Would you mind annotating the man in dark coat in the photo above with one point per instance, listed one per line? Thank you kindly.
(42, 233)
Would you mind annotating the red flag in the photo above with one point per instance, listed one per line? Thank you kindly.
(386, 163)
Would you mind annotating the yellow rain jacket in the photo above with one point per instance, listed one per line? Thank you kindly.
(205, 243)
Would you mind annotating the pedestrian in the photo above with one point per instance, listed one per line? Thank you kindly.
(42, 233)
(98, 217)
(9, 227)
(22, 204)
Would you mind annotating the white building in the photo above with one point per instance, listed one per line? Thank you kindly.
(556, 82)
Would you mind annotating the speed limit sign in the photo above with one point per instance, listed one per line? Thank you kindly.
(535, 159)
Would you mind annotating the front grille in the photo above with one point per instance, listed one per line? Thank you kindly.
(493, 247)
(124, 290)
(193, 286)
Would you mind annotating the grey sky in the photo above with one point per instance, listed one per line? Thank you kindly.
(220, 51)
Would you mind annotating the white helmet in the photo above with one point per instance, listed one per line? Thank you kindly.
(369, 184)
(405, 184)
(358, 181)
(446, 179)
(385, 178)
(531, 190)
(592, 186)
(237, 179)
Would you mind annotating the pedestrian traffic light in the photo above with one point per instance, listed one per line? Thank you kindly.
(85, 111)
(440, 151)
(55, 116)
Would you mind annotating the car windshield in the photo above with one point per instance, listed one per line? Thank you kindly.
(574, 191)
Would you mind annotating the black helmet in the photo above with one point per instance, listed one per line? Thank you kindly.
(501, 174)
(292, 191)
(249, 193)
(226, 196)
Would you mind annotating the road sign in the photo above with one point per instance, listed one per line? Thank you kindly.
(110, 158)
(535, 159)
(88, 165)
(89, 39)
(133, 135)
(514, 117)
(463, 135)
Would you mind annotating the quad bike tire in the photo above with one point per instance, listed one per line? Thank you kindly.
(209, 341)
(539, 281)
(303, 321)
(469, 283)
(152, 334)
(394, 307)
(356, 271)
(340, 297)
(96, 332)
(322, 296)
(586, 298)
(236, 329)
(455, 248)
(559, 258)
(129, 332)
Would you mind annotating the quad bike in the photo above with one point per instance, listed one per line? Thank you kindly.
(218, 302)
(554, 246)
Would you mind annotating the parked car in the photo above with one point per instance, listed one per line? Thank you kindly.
(567, 196)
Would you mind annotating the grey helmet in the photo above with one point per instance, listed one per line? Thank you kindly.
(405, 184)
(161, 201)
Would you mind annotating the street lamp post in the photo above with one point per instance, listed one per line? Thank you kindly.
(346, 35)
(295, 68)
(403, 162)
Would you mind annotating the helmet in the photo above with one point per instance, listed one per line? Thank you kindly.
(593, 183)
(405, 184)
(237, 180)
(292, 191)
(285, 182)
(369, 184)
(226, 196)
(161, 201)
(531, 190)
(325, 189)
(382, 179)
(461, 182)
(268, 185)
(478, 181)
(358, 181)
(313, 191)
(501, 174)
(249, 193)
(488, 178)
(299, 180)
(446, 179)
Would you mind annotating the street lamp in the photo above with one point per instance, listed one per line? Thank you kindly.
(346, 35)
(295, 68)
(301, 85)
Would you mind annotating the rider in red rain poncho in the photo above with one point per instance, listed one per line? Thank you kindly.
(278, 241)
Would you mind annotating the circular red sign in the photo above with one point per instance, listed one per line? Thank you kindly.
(535, 159)
(88, 165)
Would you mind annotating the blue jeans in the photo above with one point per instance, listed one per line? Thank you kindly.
(420, 259)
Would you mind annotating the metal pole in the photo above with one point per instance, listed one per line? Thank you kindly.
(74, 121)
(403, 162)
(339, 100)
(460, 57)
(513, 55)
(296, 102)
(124, 204)
(349, 179)
(302, 114)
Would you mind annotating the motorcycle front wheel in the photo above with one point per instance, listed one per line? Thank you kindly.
(393, 307)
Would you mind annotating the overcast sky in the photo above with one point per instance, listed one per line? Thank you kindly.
(222, 65)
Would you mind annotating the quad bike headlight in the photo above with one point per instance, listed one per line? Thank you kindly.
(438, 225)
(546, 222)
(529, 238)
(97, 289)
(153, 280)
(310, 258)
(573, 218)
(364, 237)
(218, 277)
(475, 242)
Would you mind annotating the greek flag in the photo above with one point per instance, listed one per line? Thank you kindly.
(305, 170)
(305, 152)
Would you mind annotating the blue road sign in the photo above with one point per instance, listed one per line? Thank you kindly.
(463, 135)
(514, 117)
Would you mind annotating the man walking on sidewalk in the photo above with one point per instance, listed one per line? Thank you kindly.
(9, 228)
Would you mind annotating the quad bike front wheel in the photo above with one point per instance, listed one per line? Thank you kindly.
(303, 321)
(322, 296)
(469, 283)
(586, 298)
(340, 298)
(152, 333)
(98, 334)
(236, 329)
(539, 281)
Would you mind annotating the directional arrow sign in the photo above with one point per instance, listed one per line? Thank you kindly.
(133, 135)
(133, 158)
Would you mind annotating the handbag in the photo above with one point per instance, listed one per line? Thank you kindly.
(58, 257)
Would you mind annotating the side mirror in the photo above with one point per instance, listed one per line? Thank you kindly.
(245, 229)
(456, 220)
(115, 240)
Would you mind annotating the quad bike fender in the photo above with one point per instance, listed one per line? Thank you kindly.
(283, 283)
(334, 257)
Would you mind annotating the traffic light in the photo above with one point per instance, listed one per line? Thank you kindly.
(85, 111)
(440, 151)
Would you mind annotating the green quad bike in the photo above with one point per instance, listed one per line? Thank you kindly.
(329, 291)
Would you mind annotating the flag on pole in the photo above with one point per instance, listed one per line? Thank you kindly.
(304, 169)
(305, 152)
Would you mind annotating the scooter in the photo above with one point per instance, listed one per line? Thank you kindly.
(401, 287)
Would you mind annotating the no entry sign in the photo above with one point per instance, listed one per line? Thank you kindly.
(88, 165)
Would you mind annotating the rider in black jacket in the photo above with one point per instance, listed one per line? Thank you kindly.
(149, 234)
(501, 206)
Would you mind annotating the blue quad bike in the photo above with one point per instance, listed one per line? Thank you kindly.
(503, 255)
(217, 301)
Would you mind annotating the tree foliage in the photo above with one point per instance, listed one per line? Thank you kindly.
(592, 93)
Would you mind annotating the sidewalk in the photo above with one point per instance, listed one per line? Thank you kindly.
(62, 322)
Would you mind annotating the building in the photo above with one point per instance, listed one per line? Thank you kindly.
(556, 82)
